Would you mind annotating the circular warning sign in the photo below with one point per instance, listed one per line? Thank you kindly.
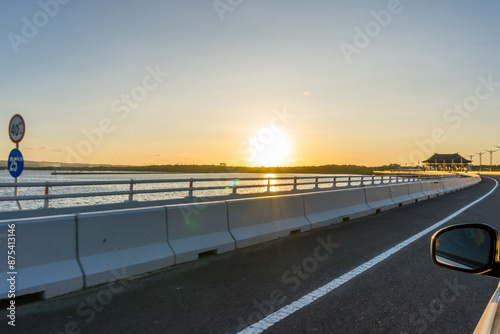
(16, 128)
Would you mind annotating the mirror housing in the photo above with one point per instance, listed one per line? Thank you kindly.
(469, 248)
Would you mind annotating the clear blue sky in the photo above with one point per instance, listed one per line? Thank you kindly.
(233, 68)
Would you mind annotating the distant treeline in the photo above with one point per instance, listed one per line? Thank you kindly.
(326, 169)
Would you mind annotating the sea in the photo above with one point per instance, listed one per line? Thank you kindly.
(237, 179)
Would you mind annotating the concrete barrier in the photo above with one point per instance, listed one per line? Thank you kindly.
(470, 181)
(379, 198)
(330, 207)
(400, 194)
(430, 189)
(415, 191)
(351, 204)
(45, 257)
(448, 186)
(440, 187)
(458, 184)
(198, 228)
(131, 242)
(318, 209)
(253, 221)
(451, 185)
(462, 183)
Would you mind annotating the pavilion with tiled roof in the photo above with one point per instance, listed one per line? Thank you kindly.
(447, 161)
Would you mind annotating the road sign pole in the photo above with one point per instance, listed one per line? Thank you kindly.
(16, 193)
(16, 189)
(17, 129)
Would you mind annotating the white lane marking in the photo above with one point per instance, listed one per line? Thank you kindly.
(284, 312)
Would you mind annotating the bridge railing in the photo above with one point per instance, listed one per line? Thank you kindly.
(190, 186)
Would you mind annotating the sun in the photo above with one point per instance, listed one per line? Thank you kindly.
(275, 151)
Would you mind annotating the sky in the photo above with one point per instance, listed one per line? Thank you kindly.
(250, 83)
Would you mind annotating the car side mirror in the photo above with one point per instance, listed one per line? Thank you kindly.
(469, 248)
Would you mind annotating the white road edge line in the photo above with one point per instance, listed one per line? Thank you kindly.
(284, 312)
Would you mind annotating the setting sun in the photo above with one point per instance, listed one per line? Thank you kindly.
(275, 152)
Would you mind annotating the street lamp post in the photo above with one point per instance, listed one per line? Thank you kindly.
(480, 160)
(491, 157)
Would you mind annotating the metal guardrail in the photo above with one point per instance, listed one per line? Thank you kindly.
(335, 181)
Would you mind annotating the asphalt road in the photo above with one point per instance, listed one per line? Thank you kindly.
(405, 293)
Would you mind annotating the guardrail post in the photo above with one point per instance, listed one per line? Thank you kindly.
(46, 200)
(295, 183)
(334, 182)
(362, 181)
(235, 182)
(191, 188)
(317, 185)
(349, 182)
(268, 184)
(131, 191)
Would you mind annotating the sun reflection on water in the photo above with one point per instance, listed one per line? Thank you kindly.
(270, 180)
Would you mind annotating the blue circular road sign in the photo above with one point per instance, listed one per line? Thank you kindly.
(15, 163)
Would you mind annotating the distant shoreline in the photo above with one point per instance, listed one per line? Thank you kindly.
(196, 169)
(72, 169)
(104, 173)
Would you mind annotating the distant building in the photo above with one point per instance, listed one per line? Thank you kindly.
(447, 162)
